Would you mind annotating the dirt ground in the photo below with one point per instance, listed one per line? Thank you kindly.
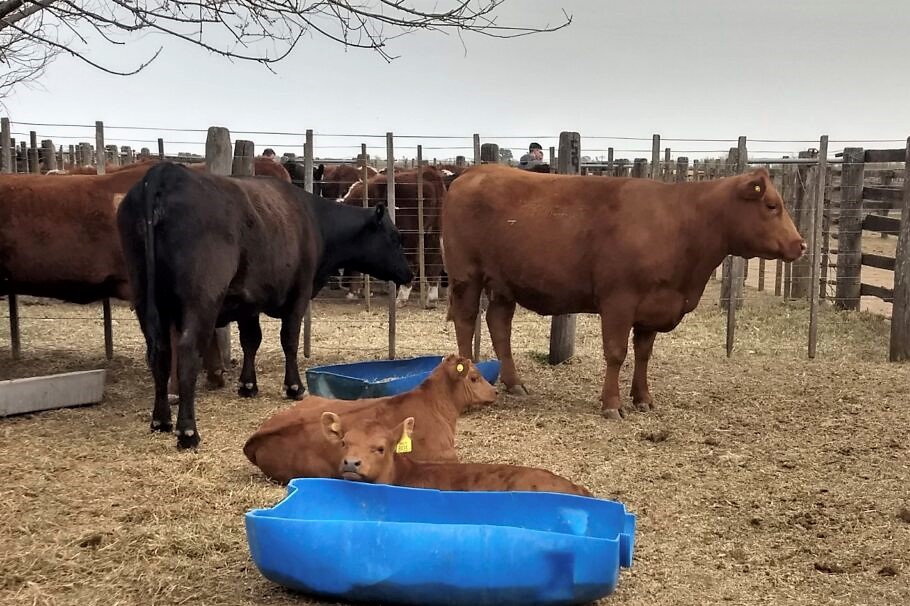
(766, 478)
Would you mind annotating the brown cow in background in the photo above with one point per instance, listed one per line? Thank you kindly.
(636, 251)
(58, 239)
(406, 218)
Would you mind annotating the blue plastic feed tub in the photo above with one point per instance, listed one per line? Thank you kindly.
(378, 543)
(378, 378)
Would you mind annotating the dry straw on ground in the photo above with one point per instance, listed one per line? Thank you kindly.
(762, 479)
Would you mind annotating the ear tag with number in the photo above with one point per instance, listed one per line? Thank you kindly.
(404, 445)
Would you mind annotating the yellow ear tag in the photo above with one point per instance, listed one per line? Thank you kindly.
(460, 367)
(758, 188)
(404, 445)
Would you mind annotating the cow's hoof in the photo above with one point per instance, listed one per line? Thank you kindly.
(173, 399)
(215, 381)
(613, 414)
(162, 426)
(188, 438)
(518, 390)
(643, 406)
(294, 392)
(248, 390)
(399, 303)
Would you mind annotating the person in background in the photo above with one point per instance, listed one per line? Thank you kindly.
(269, 153)
(533, 158)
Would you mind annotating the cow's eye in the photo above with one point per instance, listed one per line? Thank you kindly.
(343, 444)
(771, 206)
(380, 450)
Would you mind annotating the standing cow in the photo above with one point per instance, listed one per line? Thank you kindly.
(636, 251)
(58, 238)
(203, 250)
(406, 218)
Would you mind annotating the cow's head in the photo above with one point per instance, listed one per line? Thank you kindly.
(467, 381)
(368, 448)
(377, 192)
(760, 226)
(377, 249)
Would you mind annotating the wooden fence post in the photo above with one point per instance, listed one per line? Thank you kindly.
(682, 169)
(244, 153)
(105, 303)
(815, 242)
(393, 290)
(367, 294)
(609, 170)
(562, 328)
(34, 165)
(489, 153)
(219, 158)
(421, 262)
(850, 230)
(160, 148)
(308, 154)
(49, 153)
(734, 266)
(803, 187)
(478, 321)
(655, 157)
(552, 159)
(6, 162)
(900, 311)
(666, 170)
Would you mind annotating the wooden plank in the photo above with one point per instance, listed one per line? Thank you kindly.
(878, 261)
(884, 155)
(900, 313)
(160, 148)
(877, 193)
(33, 394)
(887, 225)
(868, 290)
(14, 337)
(562, 328)
(108, 329)
(244, 154)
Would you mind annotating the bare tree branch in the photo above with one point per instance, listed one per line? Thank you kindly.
(262, 31)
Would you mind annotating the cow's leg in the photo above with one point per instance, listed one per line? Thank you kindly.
(499, 321)
(643, 341)
(615, 327)
(404, 293)
(160, 363)
(172, 383)
(250, 340)
(193, 333)
(290, 342)
(464, 304)
(214, 364)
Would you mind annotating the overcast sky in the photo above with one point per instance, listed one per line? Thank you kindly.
(703, 69)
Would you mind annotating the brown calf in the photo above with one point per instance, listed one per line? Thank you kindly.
(290, 445)
(370, 454)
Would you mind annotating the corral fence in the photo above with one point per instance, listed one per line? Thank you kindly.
(833, 198)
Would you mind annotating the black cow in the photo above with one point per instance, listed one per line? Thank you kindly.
(203, 251)
(298, 174)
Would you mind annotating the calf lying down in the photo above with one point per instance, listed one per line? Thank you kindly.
(371, 453)
(290, 443)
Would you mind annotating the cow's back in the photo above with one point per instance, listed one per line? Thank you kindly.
(550, 242)
(58, 234)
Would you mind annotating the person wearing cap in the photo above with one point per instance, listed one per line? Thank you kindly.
(269, 153)
(532, 158)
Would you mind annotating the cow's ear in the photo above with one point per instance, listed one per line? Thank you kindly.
(380, 211)
(404, 430)
(331, 427)
(754, 185)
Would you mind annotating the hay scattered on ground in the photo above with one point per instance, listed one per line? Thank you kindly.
(762, 479)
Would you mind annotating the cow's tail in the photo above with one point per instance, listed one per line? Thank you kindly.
(150, 194)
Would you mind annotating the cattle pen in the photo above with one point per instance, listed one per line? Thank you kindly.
(772, 470)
